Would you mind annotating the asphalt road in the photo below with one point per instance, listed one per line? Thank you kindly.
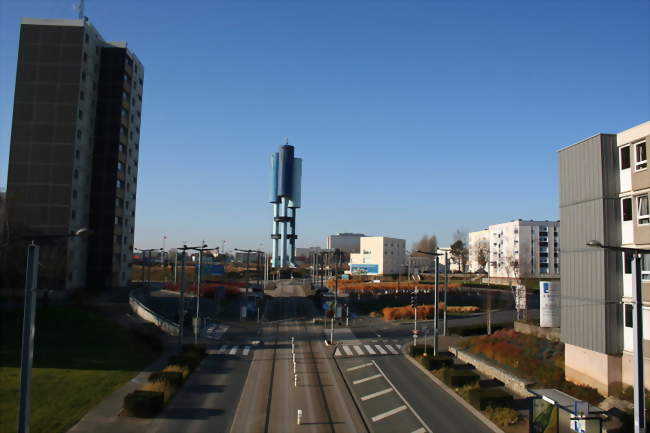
(428, 406)
(207, 401)
(271, 397)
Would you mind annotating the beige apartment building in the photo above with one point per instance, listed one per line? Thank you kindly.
(604, 193)
(379, 255)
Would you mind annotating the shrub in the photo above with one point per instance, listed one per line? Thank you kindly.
(143, 404)
(502, 416)
(481, 398)
(172, 378)
(459, 378)
(416, 350)
(190, 360)
(182, 369)
(197, 349)
(431, 362)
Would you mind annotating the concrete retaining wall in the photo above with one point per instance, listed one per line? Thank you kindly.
(552, 334)
(511, 382)
(145, 313)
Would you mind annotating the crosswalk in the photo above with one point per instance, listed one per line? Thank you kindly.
(348, 350)
(228, 349)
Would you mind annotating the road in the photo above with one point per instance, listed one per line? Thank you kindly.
(272, 398)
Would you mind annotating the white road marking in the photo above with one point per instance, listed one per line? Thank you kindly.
(420, 430)
(358, 350)
(233, 350)
(388, 413)
(337, 352)
(357, 367)
(347, 350)
(369, 349)
(392, 349)
(246, 350)
(376, 394)
(366, 379)
(403, 399)
(223, 348)
(381, 349)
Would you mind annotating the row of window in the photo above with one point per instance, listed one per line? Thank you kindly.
(640, 156)
(642, 209)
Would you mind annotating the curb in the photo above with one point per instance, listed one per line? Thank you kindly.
(489, 424)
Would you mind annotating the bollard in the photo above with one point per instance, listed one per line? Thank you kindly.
(299, 416)
(295, 380)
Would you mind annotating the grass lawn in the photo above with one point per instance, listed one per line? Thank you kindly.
(79, 358)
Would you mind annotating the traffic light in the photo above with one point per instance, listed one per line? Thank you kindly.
(413, 301)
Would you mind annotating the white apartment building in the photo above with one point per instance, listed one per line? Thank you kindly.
(520, 249)
(378, 255)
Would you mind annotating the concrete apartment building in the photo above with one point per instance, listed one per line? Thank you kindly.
(74, 148)
(519, 249)
(604, 188)
(379, 255)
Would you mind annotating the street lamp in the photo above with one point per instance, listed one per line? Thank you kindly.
(436, 300)
(29, 319)
(200, 249)
(637, 325)
(148, 266)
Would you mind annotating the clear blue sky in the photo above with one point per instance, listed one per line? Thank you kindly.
(413, 117)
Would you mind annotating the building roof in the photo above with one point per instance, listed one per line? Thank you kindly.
(565, 401)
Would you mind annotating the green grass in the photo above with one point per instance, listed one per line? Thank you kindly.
(79, 358)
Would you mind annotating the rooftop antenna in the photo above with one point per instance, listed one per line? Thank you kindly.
(80, 7)
(286, 140)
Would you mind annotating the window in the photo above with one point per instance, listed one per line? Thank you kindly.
(627, 209)
(628, 316)
(641, 158)
(125, 113)
(87, 39)
(78, 133)
(118, 221)
(76, 174)
(124, 131)
(643, 214)
(120, 147)
(74, 214)
(74, 194)
(82, 95)
(119, 184)
(645, 267)
(85, 57)
(625, 157)
(120, 166)
(83, 76)
(81, 114)
(77, 154)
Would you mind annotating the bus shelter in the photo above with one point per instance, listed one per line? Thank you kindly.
(553, 411)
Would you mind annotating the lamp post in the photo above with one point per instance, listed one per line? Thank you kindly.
(181, 297)
(637, 324)
(29, 321)
(198, 290)
(144, 254)
(248, 254)
(436, 301)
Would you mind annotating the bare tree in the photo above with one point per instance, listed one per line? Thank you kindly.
(482, 256)
(427, 244)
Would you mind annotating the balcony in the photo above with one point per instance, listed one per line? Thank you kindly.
(543, 249)
(543, 238)
(543, 259)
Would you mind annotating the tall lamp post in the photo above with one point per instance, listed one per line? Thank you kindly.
(637, 324)
(198, 290)
(144, 254)
(29, 320)
(436, 301)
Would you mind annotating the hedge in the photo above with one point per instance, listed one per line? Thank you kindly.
(481, 398)
(172, 378)
(458, 378)
(143, 404)
(197, 349)
(431, 362)
(187, 359)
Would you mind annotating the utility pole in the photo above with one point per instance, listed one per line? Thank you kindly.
(435, 311)
(162, 259)
(181, 299)
(444, 319)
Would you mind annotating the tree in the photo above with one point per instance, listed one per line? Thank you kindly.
(427, 244)
(482, 256)
(459, 254)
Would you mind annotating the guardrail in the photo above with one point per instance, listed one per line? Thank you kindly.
(145, 313)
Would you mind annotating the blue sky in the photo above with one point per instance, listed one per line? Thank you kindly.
(412, 117)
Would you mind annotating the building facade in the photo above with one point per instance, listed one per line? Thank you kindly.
(74, 149)
(346, 242)
(604, 188)
(518, 249)
(379, 255)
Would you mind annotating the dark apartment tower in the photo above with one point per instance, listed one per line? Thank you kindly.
(62, 146)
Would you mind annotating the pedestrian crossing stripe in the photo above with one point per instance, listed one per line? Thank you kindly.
(367, 350)
(226, 349)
